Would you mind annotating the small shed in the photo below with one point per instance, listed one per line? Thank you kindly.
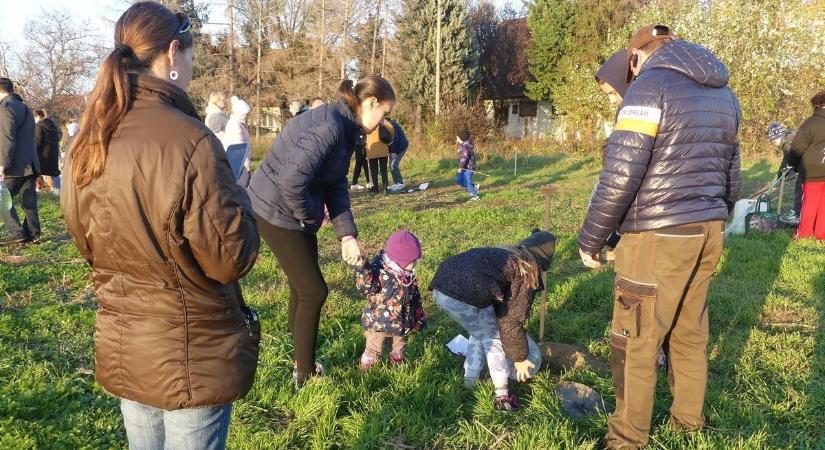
(521, 116)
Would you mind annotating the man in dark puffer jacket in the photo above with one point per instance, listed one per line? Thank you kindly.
(670, 179)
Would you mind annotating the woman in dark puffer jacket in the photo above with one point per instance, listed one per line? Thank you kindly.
(306, 169)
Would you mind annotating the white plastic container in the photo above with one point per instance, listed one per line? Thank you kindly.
(740, 210)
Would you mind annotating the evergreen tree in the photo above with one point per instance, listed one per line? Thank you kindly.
(551, 26)
(459, 57)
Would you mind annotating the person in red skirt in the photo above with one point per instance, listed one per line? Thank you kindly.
(808, 157)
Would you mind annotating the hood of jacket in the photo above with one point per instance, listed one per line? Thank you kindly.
(692, 60)
(614, 72)
(542, 245)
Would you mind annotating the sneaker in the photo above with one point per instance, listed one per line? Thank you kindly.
(367, 362)
(298, 381)
(507, 403)
(474, 198)
(397, 358)
(369, 186)
(12, 240)
(398, 186)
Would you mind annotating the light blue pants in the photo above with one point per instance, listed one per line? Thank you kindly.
(150, 428)
(485, 342)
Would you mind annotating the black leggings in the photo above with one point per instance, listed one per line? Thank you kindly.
(360, 163)
(374, 164)
(297, 254)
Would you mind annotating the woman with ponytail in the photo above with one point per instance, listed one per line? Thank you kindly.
(306, 170)
(151, 202)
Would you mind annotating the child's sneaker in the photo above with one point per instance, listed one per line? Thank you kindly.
(474, 198)
(367, 362)
(397, 358)
(507, 403)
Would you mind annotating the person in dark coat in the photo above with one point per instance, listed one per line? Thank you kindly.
(305, 171)
(19, 165)
(670, 179)
(612, 77)
(466, 163)
(47, 140)
(361, 164)
(807, 157)
(398, 148)
(489, 291)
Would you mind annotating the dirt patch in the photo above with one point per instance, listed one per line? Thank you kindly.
(558, 358)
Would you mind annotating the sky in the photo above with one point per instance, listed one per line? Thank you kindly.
(100, 15)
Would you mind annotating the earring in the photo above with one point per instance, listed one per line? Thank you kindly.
(173, 75)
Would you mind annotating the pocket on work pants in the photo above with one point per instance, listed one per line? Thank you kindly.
(633, 308)
(618, 357)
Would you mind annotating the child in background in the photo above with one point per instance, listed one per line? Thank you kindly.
(490, 291)
(466, 163)
(393, 300)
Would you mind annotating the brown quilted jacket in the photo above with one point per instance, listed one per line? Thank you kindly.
(168, 234)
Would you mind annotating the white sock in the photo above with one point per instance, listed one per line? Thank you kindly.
(502, 392)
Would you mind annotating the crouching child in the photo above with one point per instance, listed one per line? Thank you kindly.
(489, 292)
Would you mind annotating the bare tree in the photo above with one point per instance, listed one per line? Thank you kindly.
(57, 61)
(5, 50)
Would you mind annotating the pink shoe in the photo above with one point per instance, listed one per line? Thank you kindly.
(397, 358)
(367, 362)
(507, 403)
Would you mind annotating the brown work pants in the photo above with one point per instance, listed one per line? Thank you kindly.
(662, 279)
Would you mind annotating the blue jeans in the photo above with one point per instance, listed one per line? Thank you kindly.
(395, 161)
(465, 179)
(150, 428)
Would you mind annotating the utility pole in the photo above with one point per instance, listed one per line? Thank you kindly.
(438, 60)
(230, 7)
(375, 35)
(321, 47)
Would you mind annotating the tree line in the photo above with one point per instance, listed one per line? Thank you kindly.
(448, 55)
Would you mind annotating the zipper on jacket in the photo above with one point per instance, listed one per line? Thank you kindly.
(248, 325)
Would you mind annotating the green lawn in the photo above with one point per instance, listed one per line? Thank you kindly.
(767, 353)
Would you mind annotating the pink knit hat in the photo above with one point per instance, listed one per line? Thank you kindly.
(403, 248)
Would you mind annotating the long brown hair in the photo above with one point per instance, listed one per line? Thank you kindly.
(818, 100)
(142, 33)
(527, 266)
(372, 86)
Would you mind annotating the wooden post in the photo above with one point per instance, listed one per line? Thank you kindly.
(547, 191)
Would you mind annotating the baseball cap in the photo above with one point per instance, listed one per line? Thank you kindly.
(644, 36)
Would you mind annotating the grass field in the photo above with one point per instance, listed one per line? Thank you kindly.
(767, 350)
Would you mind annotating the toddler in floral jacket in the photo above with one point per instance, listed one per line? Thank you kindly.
(393, 301)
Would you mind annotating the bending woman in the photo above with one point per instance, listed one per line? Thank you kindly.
(305, 170)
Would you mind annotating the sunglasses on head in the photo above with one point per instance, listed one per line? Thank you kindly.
(184, 24)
